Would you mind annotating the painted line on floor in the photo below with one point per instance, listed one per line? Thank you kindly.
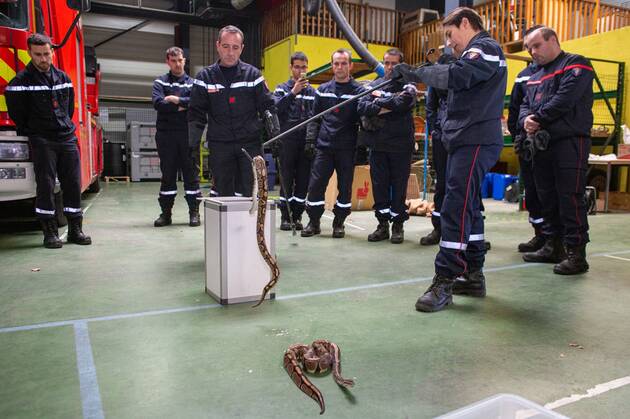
(345, 223)
(108, 318)
(88, 382)
(285, 297)
(591, 392)
(617, 257)
(65, 233)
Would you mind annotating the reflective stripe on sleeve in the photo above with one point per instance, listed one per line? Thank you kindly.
(487, 57)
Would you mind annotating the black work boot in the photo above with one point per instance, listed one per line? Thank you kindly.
(398, 233)
(472, 283)
(297, 222)
(285, 220)
(551, 252)
(312, 228)
(339, 231)
(51, 233)
(193, 218)
(432, 238)
(285, 224)
(75, 232)
(535, 244)
(163, 220)
(438, 296)
(575, 263)
(487, 245)
(381, 232)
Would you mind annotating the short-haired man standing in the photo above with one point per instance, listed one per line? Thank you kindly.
(387, 120)
(333, 140)
(473, 137)
(40, 100)
(230, 97)
(294, 100)
(171, 94)
(558, 109)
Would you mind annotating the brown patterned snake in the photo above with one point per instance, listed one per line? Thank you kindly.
(260, 190)
(317, 358)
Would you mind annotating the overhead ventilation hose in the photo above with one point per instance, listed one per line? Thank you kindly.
(312, 8)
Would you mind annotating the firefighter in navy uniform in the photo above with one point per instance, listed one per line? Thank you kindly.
(171, 94)
(527, 174)
(332, 140)
(230, 96)
(557, 115)
(294, 100)
(473, 137)
(436, 100)
(386, 118)
(40, 100)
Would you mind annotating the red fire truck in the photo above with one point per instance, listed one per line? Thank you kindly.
(61, 22)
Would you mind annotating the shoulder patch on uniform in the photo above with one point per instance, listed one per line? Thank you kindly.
(472, 55)
(576, 71)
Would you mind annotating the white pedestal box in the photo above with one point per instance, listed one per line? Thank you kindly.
(235, 270)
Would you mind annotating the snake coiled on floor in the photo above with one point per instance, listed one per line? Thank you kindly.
(259, 200)
(319, 357)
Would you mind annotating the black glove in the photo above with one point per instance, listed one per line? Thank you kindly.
(276, 147)
(372, 123)
(309, 150)
(518, 144)
(528, 149)
(541, 140)
(408, 73)
(272, 125)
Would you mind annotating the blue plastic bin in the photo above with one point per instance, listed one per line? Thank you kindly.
(499, 183)
(271, 181)
(271, 163)
(486, 186)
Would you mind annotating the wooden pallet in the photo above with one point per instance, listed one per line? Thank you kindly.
(117, 179)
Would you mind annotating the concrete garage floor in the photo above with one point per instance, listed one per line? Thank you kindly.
(123, 328)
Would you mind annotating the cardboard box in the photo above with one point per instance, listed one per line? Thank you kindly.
(619, 201)
(417, 169)
(362, 198)
(413, 188)
(623, 151)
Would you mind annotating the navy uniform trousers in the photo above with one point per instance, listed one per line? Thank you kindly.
(327, 160)
(389, 172)
(560, 175)
(462, 246)
(440, 157)
(532, 203)
(295, 169)
(230, 167)
(56, 159)
(175, 155)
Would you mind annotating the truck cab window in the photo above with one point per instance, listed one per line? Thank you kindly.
(40, 27)
(14, 14)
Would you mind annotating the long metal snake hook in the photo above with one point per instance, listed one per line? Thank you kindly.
(251, 160)
(254, 192)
